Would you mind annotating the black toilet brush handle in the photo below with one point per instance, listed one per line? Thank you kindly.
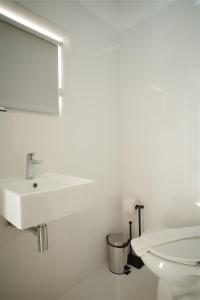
(130, 234)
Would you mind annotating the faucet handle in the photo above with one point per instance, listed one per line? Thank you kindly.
(30, 155)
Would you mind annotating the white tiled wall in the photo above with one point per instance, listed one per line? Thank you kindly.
(159, 72)
(85, 142)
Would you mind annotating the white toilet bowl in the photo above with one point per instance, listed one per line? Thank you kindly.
(177, 264)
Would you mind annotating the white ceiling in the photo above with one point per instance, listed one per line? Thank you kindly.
(121, 14)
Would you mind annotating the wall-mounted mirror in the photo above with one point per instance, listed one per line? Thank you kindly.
(28, 69)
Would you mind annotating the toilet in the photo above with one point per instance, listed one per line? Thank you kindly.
(174, 256)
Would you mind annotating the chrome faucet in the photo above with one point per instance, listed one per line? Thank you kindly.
(30, 165)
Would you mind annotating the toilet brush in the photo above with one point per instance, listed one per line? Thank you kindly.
(130, 238)
(133, 259)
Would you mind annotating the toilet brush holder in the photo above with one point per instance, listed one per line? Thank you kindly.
(133, 259)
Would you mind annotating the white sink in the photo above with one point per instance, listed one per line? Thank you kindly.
(26, 203)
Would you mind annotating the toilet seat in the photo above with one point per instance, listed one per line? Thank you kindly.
(173, 255)
(186, 251)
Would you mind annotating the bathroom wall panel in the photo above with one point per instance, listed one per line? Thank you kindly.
(159, 75)
(84, 142)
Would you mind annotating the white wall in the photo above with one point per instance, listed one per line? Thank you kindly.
(159, 73)
(84, 142)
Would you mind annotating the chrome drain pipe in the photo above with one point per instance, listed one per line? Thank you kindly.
(42, 234)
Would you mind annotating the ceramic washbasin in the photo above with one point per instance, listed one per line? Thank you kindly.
(29, 202)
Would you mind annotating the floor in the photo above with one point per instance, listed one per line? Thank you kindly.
(103, 285)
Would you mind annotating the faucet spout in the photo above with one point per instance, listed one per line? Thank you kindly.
(30, 165)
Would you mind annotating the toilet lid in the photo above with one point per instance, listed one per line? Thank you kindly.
(185, 251)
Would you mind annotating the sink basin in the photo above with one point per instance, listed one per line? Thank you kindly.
(26, 203)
